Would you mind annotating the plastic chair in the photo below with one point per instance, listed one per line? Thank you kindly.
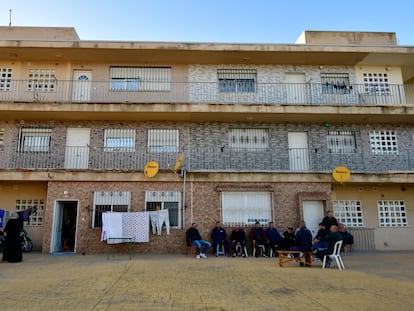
(335, 255)
(262, 249)
(220, 250)
(238, 249)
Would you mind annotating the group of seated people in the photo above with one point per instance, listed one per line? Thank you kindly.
(263, 240)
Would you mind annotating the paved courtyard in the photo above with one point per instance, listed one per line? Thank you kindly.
(372, 281)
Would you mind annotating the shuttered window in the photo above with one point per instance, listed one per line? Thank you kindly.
(335, 83)
(119, 139)
(109, 201)
(34, 139)
(163, 140)
(171, 200)
(237, 80)
(341, 142)
(140, 78)
(248, 139)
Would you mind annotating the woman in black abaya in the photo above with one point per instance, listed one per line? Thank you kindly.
(12, 251)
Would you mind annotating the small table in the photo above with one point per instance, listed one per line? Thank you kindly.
(124, 239)
(295, 256)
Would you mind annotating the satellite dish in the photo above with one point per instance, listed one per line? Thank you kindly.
(341, 174)
(151, 169)
(178, 163)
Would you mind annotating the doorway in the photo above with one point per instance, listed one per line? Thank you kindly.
(298, 151)
(64, 227)
(81, 86)
(77, 148)
(313, 213)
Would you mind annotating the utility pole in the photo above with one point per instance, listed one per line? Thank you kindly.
(10, 17)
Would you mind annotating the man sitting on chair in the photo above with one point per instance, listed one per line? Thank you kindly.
(219, 237)
(258, 237)
(193, 238)
(238, 240)
(332, 238)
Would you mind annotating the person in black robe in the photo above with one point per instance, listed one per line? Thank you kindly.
(12, 251)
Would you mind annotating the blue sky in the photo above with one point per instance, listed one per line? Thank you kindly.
(233, 21)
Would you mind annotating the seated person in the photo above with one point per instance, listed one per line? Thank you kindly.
(319, 241)
(238, 238)
(273, 237)
(303, 240)
(346, 236)
(193, 238)
(287, 240)
(258, 237)
(219, 237)
(332, 238)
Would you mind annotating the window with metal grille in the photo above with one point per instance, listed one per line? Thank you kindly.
(348, 212)
(34, 139)
(248, 139)
(245, 208)
(5, 79)
(237, 80)
(109, 201)
(163, 140)
(341, 142)
(376, 83)
(41, 80)
(122, 140)
(383, 142)
(392, 214)
(171, 200)
(335, 83)
(1, 138)
(140, 78)
(35, 219)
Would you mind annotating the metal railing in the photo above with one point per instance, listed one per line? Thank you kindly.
(204, 159)
(60, 91)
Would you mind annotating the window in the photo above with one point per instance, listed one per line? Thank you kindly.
(140, 78)
(376, 83)
(109, 201)
(349, 213)
(335, 83)
(163, 140)
(341, 142)
(35, 139)
(171, 200)
(392, 214)
(119, 140)
(249, 139)
(236, 80)
(1, 138)
(35, 219)
(42, 80)
(245, 208)
(5, 79)
(383, 142)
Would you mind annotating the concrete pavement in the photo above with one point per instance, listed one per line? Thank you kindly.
(372, 281)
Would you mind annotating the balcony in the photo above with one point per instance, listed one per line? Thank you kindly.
(58, 91)
(204, 160)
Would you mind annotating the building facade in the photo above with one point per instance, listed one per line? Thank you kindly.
(260, 129)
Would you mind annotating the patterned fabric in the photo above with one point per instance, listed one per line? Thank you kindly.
(136, 225)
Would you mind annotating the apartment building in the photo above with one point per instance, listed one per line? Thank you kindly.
(280, 132)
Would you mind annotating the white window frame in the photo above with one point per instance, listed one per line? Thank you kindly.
(138, 78)
(163, 198)
(5, 79)
(109, 201)
(119, 140)
(335, 83)
(35, 139)
(163, 140)
(392, 213)
(245, 208)
(35, 219)
(376, 83)
(248, 139)
(41, 80)
(348, 212)
(237, 80)
(383, 142)
(341, 142)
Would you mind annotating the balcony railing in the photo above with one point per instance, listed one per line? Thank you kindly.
(204, 159)
(206, 92)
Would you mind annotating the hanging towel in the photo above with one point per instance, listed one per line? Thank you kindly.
(114, 227)
(136, 225)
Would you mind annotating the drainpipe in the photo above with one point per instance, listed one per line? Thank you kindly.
(184, 175)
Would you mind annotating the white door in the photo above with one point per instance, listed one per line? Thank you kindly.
(296, 90)
(81, 86)
(313, 215)
(77, 148)
(57, 243)
(298, 151)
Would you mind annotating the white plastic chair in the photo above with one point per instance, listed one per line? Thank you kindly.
(335, 255)
(238, 249)
(220, 250)
(262, 249)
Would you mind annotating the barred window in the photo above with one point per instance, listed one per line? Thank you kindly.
(140, 78)
(42, 80)
(119, 140)
(171, 200)
(248, 139)
(35, 219)
(335, 83)
(348, 212)
(383, 142)
(237, 80)
(245, 208)
(109, 201)
(376, 83)
(341, 142)
(34, 139)
(392, 214)
(5, 79)
(1, 138)
(163, 140)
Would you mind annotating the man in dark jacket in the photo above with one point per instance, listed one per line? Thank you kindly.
(193, 238)
(328, 221)
(219, 237)
(332, 238)
(238, 239)
(273, 237)
(258, 236)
